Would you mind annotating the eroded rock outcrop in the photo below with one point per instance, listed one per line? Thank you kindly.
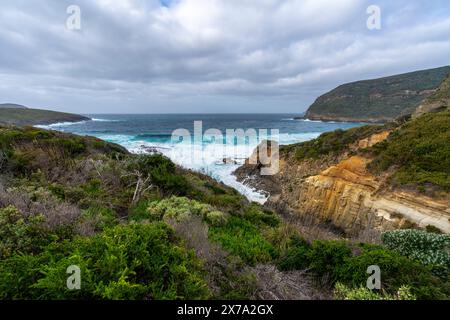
(354, 200)
(339, 189)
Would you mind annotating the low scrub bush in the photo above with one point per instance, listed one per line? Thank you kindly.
(343, 292)
(125, 262)
(396, 271)
(419, 152)
(257, 215)
(428, 248)
(178, 208)
(162, 173)
(242, 238)
(327, 256)
(19, 233)
(297, 256)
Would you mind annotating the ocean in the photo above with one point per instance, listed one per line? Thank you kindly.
(148, 133)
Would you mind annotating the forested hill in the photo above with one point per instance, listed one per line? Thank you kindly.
(378, 100)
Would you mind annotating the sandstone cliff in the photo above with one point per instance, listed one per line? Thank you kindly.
(338, 188)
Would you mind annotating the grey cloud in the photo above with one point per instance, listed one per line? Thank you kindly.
(204, 55)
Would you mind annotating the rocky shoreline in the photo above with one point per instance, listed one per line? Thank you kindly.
(338, 188)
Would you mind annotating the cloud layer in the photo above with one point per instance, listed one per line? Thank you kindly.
(208, 55)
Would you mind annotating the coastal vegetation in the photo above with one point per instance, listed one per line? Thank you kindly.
(416, 154)
(139, 227)
(378, 100)
(12, 114)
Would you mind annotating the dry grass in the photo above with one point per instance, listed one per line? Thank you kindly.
(273, 284)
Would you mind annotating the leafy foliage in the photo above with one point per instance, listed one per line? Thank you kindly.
(18, 232)
(343, 292)
(162, 173)
(345, 263)
(428, 248)
(126, 262)
(418, 152)
(332, 143)
(240, 237)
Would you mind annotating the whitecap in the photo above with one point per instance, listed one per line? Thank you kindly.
(59, 124)
(103, 120)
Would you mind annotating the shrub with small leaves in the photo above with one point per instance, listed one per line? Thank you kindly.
(177, 207)
(343, 292)
(18, 232)
(428, 248)
(216, 218)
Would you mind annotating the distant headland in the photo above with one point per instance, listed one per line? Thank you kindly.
(15, 114)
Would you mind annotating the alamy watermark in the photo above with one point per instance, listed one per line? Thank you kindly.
(374, 281)
(74, 280)
(374, 19)
(231, 146)
(73, 21)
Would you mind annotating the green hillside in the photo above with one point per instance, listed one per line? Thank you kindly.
(378, 100)
(138, 227)
(418, 153)
(11, 106)
(25, 116)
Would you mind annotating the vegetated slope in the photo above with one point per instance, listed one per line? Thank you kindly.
(138, 227)
(377, 100)
(417, 154)
(438, 101)
(25, 116)
(11, 106)
(378, 177)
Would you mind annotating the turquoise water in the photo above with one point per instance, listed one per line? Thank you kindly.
(205, 152)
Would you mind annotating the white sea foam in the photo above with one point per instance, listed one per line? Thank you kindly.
(59, 125)
(208, 158)
(308, 120)
(104, 120)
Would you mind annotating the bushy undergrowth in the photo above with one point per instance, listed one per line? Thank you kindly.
(242, 238)
(134, 261)
(332, 143)
(141, 228)
(418, 152)
(428, 248)
(346, 263)
(343, 292)
(238, 233)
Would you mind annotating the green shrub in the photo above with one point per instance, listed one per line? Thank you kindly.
(101, 217)
(327, 256)
(216, 218)
(177, 207)
(428, 248)
(126, 262)
(162, 173)
(343, 292)
(72, 146)
(297, 256)
(228, 201)
(257, 215)
(20, 233)
(241, 238)
(331, 143)
(419, 152)
(396, 271)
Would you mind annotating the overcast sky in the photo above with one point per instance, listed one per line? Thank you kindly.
(195, 56)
